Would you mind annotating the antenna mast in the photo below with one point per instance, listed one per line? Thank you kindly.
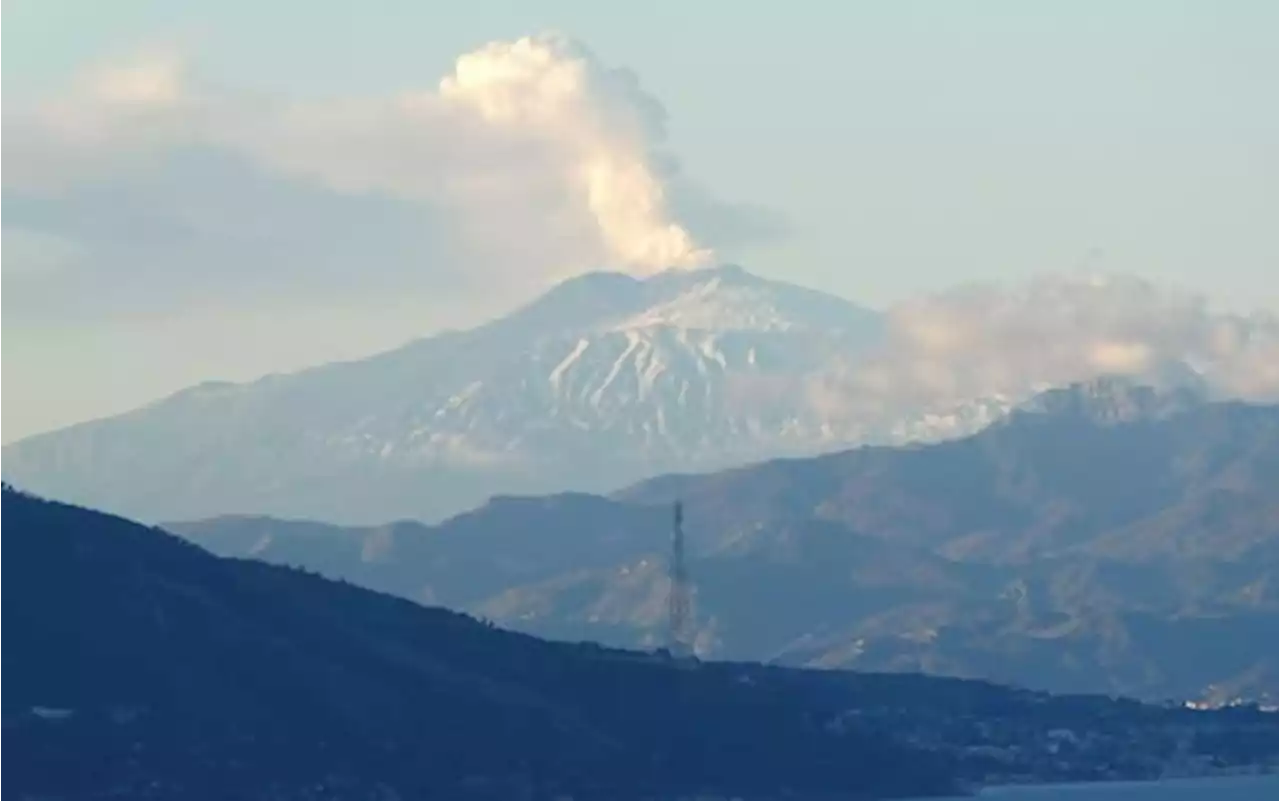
(679, 642)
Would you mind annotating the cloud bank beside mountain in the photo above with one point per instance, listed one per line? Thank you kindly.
(181, 230)
(943, 350)
(531, 161)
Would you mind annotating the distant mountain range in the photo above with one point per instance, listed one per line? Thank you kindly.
(1106, 537)
(139, 666)
(602, 382)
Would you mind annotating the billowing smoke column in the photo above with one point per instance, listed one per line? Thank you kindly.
(532, 142)
(605, 125)
(533, 161)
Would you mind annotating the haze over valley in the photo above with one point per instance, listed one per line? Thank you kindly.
(574, 404)
(1104, 538)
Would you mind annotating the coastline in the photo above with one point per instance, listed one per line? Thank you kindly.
(1012, 790)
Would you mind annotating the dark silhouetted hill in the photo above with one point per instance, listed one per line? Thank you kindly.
(134, 657)
(141, 666)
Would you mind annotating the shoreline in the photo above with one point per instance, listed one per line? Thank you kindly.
(998, 790)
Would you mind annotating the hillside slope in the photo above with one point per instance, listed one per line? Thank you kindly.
(1105, 539)
(602, 381)
(140, 666)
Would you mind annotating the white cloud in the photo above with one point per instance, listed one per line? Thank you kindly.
(944, 349)
(545, 161)
(554, 89)
(31, 253)
(145, 193)
(141, 192)
(155, 81)
(112, 120)
(534, 134)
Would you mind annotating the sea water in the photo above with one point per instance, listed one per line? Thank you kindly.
(1225, 788)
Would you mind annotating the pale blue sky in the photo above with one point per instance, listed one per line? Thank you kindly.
(908, 145)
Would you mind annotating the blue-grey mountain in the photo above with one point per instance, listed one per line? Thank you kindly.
(1106, 537)
(139, 666)
(601, 382)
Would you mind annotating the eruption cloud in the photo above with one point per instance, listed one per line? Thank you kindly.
(535, 134)
(553, 88)
(530, 161)
(546, 162)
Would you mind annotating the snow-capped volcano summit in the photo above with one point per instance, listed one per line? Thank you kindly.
(730, 299)
(723, 298)
(602, 380)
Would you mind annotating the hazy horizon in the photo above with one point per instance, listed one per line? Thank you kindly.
(200, 195)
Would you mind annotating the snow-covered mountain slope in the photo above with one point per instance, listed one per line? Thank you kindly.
(602, 381)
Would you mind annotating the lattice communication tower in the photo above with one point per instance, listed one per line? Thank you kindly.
(679, 598)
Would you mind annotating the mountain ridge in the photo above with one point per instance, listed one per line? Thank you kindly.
(239, 679)
(955, 557)
(233, 679)
(546, 398)
(603, 381)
